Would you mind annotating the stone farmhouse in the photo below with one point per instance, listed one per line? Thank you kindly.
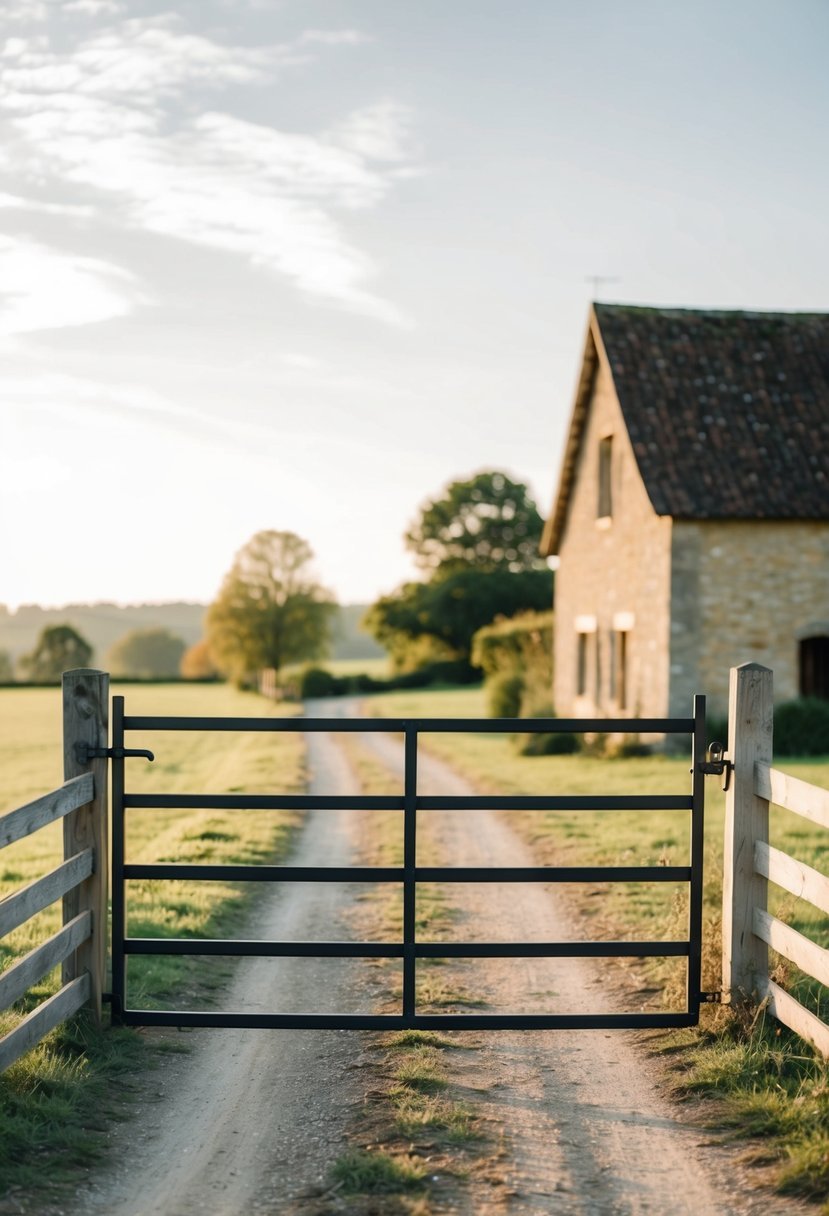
(691, 520)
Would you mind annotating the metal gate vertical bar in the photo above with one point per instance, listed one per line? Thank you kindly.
(697, 848)
(119, 979)
(409, 864)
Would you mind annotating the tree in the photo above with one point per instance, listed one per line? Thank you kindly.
(478, 541)
(148, 654)
(270, 609)
(448, 611)
(59, 648)
(488, 522)
(6, 665)
(197, 662)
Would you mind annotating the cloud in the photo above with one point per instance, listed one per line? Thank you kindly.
(131, 413)
(41, 288)
(376, 133)
(108, 120)
(16, 202)
(24, 10)
(335, 37)
(94, 8)
(138, 60)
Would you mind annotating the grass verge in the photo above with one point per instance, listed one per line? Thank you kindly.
(52, 1113)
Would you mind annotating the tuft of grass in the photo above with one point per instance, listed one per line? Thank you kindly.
(770, 1089)
(373, 1173)
(422, 1070)
(454, 1122)
(435, 993)
(401, 1040)
(417, 1095)
(57, 1101)
(806, 1168)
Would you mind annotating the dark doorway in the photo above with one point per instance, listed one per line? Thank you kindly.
(814, 667)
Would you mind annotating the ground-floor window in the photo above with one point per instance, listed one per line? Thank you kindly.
(622, 669)
(581, 663)
(619, 668)
(814, 667)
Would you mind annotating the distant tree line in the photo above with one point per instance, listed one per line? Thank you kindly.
(476, 544)
(150, 654)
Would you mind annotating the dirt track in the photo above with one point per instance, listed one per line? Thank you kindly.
(251, 1120)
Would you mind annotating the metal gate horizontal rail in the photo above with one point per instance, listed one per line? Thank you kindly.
(236, 947)
(423, 1021)
(409, 874)
(370, 874)
(423, 726)
(377, 802)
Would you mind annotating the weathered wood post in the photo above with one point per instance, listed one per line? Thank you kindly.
(86, 724)
(750, 724)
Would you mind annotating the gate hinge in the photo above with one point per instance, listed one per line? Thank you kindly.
(710, 998)
(717, 764)
(84, 752)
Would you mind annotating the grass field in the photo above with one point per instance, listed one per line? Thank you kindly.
(52, 1101)
(205, 763)
(768, 1083)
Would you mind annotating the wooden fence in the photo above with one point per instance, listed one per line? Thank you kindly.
(749, 929)
(80, 881)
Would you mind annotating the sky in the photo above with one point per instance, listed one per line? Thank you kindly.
(298, 264)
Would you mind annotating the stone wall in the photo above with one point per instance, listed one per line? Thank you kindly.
(614, 572)
(744, 591)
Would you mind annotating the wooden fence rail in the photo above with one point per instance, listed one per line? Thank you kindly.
(749, 929)
(80, 880)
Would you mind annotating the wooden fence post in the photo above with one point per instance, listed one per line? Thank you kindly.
(86, 721)
(750, 723)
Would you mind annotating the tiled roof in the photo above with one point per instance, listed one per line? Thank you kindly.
(728, 412)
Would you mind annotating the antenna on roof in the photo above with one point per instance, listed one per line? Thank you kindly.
(596, 280)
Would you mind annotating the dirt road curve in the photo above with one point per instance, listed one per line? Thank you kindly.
(251, 1120)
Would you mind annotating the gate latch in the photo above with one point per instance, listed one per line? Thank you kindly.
(717, 764)
(84, 752)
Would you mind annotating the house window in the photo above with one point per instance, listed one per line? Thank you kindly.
(619, 668)
(814, 667)
(619, 681)
(620, 675)
(581, 663)
(605, 503)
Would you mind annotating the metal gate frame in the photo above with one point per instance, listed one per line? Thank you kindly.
(409, 874)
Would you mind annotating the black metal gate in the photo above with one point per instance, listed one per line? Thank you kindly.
(409, 875)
